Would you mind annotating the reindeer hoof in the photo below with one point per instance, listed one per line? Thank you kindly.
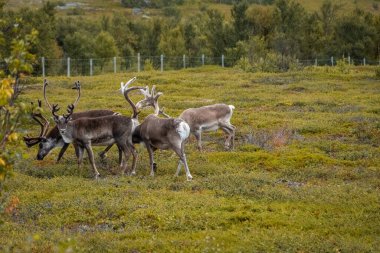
(155, 167)
(189, 178)
(97, 176)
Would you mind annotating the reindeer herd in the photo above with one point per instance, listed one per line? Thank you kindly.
(108, 128)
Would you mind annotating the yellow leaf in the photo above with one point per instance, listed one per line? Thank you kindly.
(13, 137)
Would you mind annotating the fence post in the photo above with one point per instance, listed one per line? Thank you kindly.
(138, 62)
(184, 61)
(162, 63)
(222, 60)
(364, 61)
(43, 66)
(68, 66)
(114, 64)
(91, 67)
(332, 60)
(349, 60)
(203, 60)
(316, 62)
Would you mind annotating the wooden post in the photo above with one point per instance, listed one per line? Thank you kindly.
(203, 60)
(332, 60)
(114, 64)
(162, 63)
(138, 62)
(222, 60)
(349, 60)
(91, 73)
(68, 66)
(43, 66)
(184, 61)
(364, 61)
(316, 62)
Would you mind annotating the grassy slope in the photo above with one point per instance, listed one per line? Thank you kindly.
(313, 186)
(97, 7)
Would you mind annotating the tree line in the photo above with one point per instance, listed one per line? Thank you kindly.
(264, 36)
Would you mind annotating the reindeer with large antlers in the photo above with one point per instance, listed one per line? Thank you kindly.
(107, 130)
(48, 140)
(205, 118)
(158, 133)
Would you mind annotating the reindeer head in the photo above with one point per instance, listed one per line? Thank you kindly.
(151, 99)
(62, 121)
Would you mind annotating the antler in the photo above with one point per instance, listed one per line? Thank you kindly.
(135, 112)
(77, 87)
(55, 109)
(48, 104)
(70, 110)
(31, 141)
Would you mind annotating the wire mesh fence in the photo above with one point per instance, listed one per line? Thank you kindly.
(97, 66)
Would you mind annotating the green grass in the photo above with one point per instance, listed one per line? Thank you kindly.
(304, 176)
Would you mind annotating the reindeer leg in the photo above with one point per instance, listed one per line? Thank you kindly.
(62, 151)
(198, 136)
(230, 131)
(103, 153)
(180, 151)
(79, 150)
(90, 154)
(134, 154)
(151, 158)
(120, 156)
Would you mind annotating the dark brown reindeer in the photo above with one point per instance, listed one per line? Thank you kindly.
(107, 130)
(159, 133)
(48, 140)
(205, 118)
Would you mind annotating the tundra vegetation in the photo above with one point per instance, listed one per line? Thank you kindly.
(304, 174)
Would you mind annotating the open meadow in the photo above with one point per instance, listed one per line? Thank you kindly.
(304, 175)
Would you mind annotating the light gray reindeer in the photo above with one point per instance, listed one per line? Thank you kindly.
(107, 130)
(159, 133)
(205, 118)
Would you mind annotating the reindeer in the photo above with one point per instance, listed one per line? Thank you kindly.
(107, 130)
(205, 118)
(159, 133)
(48, 140)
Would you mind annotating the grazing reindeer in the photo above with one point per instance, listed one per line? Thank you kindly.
(158, 133)
(48, 140)
(106, 130)
(205, 118)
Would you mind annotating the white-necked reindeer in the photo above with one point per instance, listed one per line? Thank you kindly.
(107, 130)
(205, 118)
(159, 133)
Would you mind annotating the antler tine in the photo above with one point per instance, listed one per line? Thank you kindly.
(77, 87)
(123, 86)
(153, 91)
(145, 91)
(55, 109)
(47, 102)
(135, 112)
(70, 110)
